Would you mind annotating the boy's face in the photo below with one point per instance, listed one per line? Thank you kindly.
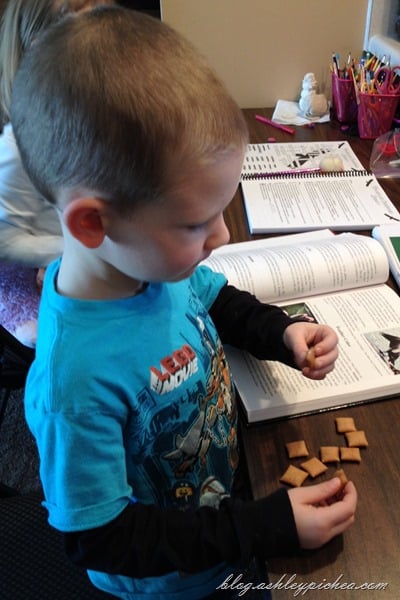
(166, 240)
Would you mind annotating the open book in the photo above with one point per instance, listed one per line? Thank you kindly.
(334, 279)
(283, 190)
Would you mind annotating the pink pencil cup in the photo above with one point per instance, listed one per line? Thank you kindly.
(344, 99)
(375, 114)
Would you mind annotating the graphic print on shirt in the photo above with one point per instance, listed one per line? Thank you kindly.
(177, 368)
(190, 440)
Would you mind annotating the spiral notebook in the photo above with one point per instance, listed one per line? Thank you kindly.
(284, 190)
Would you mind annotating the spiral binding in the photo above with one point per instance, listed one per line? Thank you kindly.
(306, 174)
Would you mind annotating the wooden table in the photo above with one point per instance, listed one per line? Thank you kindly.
(369, 552)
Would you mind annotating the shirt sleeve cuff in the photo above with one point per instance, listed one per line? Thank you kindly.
(266, 527)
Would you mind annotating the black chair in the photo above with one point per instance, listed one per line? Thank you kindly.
(33, 565)
(15, 360)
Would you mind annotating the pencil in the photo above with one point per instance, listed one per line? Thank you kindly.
(276, 125)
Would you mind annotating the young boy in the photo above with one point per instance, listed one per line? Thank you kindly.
(123, 126)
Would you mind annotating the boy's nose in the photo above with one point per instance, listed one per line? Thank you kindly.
(219, 236)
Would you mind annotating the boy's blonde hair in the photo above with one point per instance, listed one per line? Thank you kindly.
(118, 102)
(21, 22)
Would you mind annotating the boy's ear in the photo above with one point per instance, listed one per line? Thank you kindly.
(84, 219)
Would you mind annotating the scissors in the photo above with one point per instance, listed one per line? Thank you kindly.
(387, 80)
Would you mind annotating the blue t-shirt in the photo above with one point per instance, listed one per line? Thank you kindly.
(132, 400)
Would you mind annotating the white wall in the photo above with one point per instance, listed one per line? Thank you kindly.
(263, 48)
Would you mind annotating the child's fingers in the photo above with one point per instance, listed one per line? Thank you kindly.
(321, 493)
(317, 374)
(344, 509)
(340, 515)
(318, 366)
(316, 494)
(342, 526)
(319, 515)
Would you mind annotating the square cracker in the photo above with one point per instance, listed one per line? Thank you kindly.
(344, 424)
(314, 467)
(329, 454)
(297, 449)
(342, 476)
(350, 454)
(356, 439)
(294, 476)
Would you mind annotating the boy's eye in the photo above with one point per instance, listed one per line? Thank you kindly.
(195, 227)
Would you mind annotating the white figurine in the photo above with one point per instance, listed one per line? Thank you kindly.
(312, 104)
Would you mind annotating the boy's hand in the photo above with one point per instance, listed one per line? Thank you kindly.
(314, 346)
(317, 520)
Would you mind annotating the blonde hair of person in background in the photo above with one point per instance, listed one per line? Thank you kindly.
(22, 21)
(30, 230)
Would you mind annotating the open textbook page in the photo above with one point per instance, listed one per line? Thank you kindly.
(294, 266)
(362, 309)
(368, 367)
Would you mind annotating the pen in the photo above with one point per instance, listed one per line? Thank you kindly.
(334, 65)
(276, 125)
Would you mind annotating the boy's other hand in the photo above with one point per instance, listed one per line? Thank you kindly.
(318, 516)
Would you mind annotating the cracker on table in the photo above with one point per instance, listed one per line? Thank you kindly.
(314, 467)
(294, 476)
(350, 454)
(344, 424)
(297, 449)
(329, 454)
(356, 439)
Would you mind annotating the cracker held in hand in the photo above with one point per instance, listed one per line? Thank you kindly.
(297, 449)
(310, 358)
(342, 476)
(294, 476)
